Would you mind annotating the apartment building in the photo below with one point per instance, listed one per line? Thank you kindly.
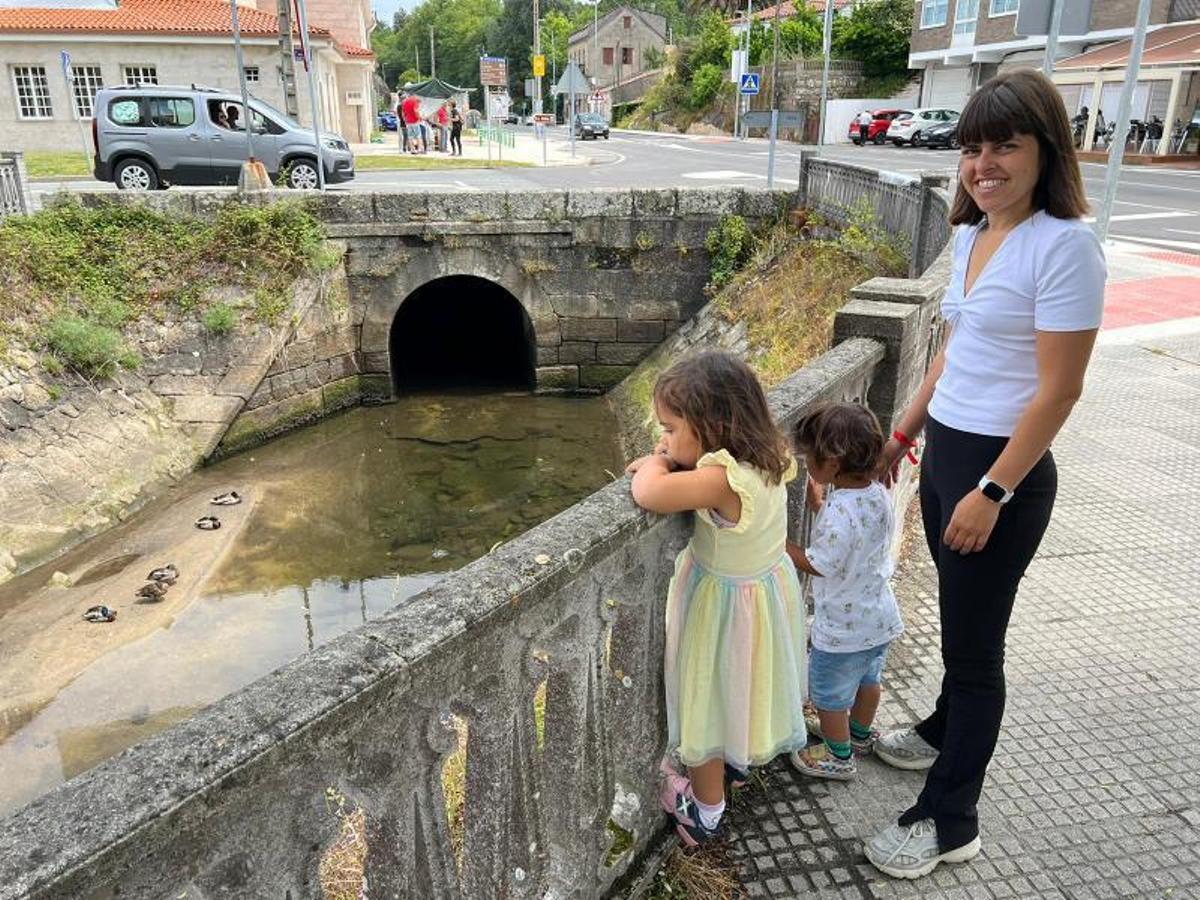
(959, 44)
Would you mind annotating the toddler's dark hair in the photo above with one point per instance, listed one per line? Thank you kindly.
(847, 432)
(720, 398)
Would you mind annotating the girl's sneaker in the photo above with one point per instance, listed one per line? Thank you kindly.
(735, 778)
(687, 821)
(817, 762)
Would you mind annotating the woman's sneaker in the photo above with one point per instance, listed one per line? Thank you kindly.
(905, 749)
(911, 851)
(817, 762)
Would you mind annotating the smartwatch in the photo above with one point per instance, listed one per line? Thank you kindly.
(993, 491)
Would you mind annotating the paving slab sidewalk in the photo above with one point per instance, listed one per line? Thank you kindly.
(1095, 787)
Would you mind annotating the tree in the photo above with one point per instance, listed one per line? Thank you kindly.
(799, 36)
(876, 33)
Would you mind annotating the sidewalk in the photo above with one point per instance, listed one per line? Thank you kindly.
(1095, 787)
(527, 149)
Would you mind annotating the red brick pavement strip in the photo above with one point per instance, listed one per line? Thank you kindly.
(1147, 300)
(1179, 259)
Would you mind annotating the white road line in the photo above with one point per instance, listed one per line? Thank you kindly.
(1180, 231)
(1133, 217)
(721, 175)
(1193, 246)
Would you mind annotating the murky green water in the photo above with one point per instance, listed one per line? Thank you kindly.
(352, 516)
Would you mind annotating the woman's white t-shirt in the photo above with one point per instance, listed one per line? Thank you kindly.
(1047, 275)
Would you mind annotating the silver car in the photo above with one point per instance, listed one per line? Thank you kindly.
(148, 137)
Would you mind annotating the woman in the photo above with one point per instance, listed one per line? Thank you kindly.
(1024, 302)
(456, 127)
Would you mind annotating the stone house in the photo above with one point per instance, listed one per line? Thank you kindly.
(168, 42)
(960, 44)
(614, 48)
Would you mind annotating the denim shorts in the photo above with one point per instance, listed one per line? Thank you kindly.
(834, 678)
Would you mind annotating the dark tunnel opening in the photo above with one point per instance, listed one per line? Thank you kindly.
(461, 332)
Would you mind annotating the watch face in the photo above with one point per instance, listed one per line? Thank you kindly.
(993, 492)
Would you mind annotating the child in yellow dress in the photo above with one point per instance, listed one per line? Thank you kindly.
(734, 667)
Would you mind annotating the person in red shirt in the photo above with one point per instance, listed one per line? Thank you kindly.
(443, 120)
(410, 110)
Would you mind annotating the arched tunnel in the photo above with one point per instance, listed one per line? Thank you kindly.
(461, 331)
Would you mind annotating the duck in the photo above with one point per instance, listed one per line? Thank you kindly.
(208, 523)
(229, 498)
(167, 574)
(153, 590)
(100, 613)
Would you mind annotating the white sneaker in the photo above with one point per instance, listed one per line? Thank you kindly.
(911, 851)
(905, 749)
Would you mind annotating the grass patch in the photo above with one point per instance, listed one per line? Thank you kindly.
(454, 789)
(57, 163)
(371, 163)
(706, 873)
(340, 871)
(220, 318)
(71, 278)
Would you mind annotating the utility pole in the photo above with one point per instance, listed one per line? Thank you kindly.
(432, 55)
(287, 67)
(1056, 15)
(417, 52)
(310, 65)
(774, 101)
(596, 32)
(237, 47)
(827, 47)
(1116, 150)
(537, 51)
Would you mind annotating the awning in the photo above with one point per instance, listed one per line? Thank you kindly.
(435, 89)
(1173, 45)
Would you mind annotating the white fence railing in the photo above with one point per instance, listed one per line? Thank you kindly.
(14, 185)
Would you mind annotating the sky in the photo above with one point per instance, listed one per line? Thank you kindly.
(385, 9)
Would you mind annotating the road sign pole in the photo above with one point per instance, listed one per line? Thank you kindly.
(1116, 150)
(310, 63)
(771, 151)
(827, 49)
(1056, 16)
(65, 58)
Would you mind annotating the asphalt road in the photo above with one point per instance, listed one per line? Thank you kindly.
(1155, 207)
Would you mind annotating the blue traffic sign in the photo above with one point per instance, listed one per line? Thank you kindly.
(749, 83)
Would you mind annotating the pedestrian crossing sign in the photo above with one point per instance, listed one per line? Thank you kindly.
(749, 83)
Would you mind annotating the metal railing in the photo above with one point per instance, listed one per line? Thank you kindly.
(14, 185)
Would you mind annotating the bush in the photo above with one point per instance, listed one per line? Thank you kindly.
(729, 246)
(706, 84)
(91, 348)
(220, 318)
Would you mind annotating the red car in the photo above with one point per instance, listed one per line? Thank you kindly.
(877, 130)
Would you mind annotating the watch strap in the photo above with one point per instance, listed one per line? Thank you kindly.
(993, 491)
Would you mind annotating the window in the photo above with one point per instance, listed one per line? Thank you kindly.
(86, 81)
(1003, 7)
(33, 92)
(965, 14)
(934, 12)
(140, 74)
(608, 57)
(628, 22)
(172, 112)
(251, 74)
(627, 56)
(127, 111)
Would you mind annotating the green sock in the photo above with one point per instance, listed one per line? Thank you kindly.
(840, 749)
(859, 732)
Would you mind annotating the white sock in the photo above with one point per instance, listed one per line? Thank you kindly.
(710, 814)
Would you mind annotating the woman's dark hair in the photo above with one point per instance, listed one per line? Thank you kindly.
(847, 432)
(722, 401)
(1025, 102)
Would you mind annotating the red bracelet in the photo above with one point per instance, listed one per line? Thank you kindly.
(907, 442)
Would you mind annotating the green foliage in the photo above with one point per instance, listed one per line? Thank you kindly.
(865, 237)
(408, 76)
(706, 84)
(89, 347)
(877, 34)
(712, 45)
(799, 36)
(220, 318)
(729, 247)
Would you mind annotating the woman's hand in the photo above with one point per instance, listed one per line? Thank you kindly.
(971, 524)
(888, 469)
(814, 493)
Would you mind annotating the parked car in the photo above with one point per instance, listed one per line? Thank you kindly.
(387, 121)
(943, 134)
(911, 129)
(877, 130)
(151, 136)
(590, 125)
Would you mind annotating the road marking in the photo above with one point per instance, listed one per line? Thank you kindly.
(721, 175)
(1193, 246)
(1180, 231)
(1134, 217)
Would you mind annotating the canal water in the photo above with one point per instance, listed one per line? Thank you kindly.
(351, 516)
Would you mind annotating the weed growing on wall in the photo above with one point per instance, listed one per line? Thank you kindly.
(729, 247)
(73, 277)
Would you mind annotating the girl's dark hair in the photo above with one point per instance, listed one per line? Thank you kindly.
(847, 432)
(722, 401)
(1025, 102)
